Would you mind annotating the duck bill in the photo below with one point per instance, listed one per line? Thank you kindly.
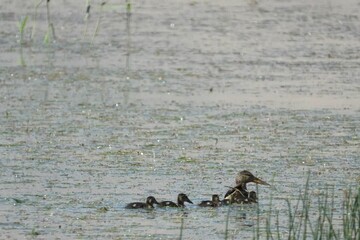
(188, 200)
(259, 181)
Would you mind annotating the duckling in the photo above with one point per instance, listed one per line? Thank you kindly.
(243, 197)
(240, 194)
(150, 201)
(215, 202)
(182, 198)
(225, 202)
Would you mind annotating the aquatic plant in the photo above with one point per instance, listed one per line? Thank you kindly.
(314, 218)
(34, 232)
(128, 33)
(227, 223)
(50, 33)
(181, 227)
(34, 19)
(98, 22)
(87, 14)
(22, 25)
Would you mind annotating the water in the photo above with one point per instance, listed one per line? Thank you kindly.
(195, 92)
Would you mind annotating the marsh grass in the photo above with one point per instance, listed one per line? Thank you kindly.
(86, 18)
(22, 25)
(181, 227)
(50, 33)
(98, 22)
(128, 34)
(312, 217)
(227, 223)
(34, 19)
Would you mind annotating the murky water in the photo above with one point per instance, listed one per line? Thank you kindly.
(194, 92)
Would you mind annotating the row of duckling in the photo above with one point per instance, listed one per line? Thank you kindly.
(238, 194)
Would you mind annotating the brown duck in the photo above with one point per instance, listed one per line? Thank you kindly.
(239, 193)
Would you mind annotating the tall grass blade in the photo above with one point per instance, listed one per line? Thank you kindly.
(227, 223)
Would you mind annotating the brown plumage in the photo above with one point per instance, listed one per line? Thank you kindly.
(239, 193)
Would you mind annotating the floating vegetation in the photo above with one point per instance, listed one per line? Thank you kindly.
(122, 152)
(18, 201)
(186, 159)
(102, 209)
(34, 232)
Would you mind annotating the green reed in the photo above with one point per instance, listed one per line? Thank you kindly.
(36, 7)
(86, 17)
(98, 22)
(227, 223)
(50, 33)
(181, 227)
(313, 217)
(22, 25)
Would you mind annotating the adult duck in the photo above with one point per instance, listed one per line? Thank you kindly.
(239, 193)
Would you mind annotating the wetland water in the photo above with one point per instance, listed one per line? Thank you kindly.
(194, 92)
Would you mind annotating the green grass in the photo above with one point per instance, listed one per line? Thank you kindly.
(309, 216)
(50, 33)
(312, 217)
(98, 22)
(22, 25)
(36, 7)
(181, 228)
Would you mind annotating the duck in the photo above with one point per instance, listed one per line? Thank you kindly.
(239, 193)
(225, 202)
(215, 202)
(182, 198)
(149, 204)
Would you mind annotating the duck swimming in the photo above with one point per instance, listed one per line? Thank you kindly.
(150, 201)
(215, 202)
(240, 194)
(182, 198)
